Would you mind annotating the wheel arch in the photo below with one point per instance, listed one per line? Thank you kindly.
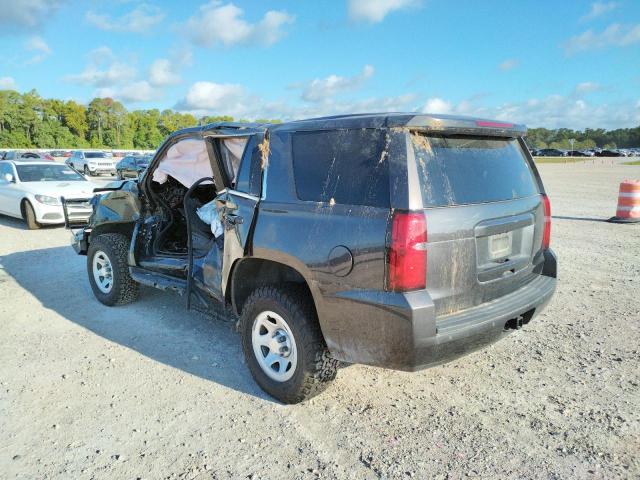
(23, 201)
(250, 273)
(124, 228)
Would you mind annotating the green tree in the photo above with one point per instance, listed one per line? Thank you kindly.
(74, 117)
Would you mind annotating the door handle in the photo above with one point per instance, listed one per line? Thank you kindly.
(233, 220)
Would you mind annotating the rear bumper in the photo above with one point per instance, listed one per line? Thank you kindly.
(402, 331)
(477, 327)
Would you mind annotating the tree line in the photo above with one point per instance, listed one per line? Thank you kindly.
(29, 121)
(588, 138)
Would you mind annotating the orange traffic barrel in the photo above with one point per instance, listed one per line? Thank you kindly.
(628, 210)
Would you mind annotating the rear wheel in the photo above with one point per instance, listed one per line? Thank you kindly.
(29, 215)
(283, 344)
(108, 270)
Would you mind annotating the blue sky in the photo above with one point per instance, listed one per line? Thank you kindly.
(544, 63)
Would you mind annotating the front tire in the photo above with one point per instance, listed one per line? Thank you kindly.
(87, 172)
(283, 344)
(29, 215)
(108, 270)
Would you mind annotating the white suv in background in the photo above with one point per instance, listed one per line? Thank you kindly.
(92, 163)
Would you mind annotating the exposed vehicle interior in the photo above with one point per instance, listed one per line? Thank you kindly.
(182, 168)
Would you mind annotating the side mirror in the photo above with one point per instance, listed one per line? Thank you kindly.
(9, 178)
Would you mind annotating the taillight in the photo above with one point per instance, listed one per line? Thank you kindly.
(546, 236)
(408, 253)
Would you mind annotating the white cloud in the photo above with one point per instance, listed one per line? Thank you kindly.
(598, 9)
(164, 72)
(140, 91)
(103, 70)
(7, 83)
(139, 20)
(437, 105)
(112, 77)
(210, 97)
(39, 46)
(216, 24)
(321, 89)
(20, 14)
(161, 73)
(553, 111)
(587, 87)
(509, 64)
(374, 11)
(615, 35)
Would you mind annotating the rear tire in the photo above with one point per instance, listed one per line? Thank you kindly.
(108, 270)
(313, 367)
(29, 215)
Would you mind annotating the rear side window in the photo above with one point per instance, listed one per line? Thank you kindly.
(458, 170)
(341, 166)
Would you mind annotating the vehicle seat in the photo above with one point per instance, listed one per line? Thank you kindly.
(202, 238)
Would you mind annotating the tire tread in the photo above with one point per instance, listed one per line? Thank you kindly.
(319, 368)
(117, 245)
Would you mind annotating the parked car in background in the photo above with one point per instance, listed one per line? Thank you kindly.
(551, 152)
(609, 153)
(91, 163)
(577, 153)
(26, 156)
(132, 166)
(33, 190)
(394, 240)
(57, 153)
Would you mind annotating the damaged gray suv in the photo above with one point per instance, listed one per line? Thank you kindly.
(396, 240)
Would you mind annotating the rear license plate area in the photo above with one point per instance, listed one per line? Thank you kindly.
(500, 245)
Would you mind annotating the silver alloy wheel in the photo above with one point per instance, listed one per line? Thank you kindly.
(274, 346)
(102, 271)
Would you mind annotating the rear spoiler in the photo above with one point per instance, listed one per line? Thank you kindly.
(468, 126)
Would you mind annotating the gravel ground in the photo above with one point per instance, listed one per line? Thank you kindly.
(152, 391)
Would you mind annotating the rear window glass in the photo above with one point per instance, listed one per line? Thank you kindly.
(457, 170)
(341, 166)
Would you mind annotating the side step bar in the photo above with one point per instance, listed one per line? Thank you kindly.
(158, 280)
(166, 282)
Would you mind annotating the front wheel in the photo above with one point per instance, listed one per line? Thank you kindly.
(87, 172)
(283, 344)
(30, 216)
(108, 270)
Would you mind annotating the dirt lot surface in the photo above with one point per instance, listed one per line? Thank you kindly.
(152, 391)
